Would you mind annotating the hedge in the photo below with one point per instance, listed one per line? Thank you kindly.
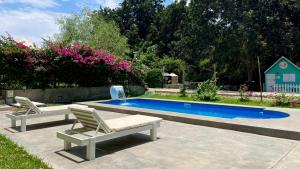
(56, 65)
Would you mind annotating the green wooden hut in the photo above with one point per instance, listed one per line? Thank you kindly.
(283, 76)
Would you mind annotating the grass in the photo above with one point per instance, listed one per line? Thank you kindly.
(12, 156)
(222, 99)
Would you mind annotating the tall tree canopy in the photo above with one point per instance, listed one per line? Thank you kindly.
(171, 20)
(137, 19)
(211, 36)
(94, 30)
(232, 34)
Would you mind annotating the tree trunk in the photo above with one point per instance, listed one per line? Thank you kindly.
(249, 72)
(250, 64)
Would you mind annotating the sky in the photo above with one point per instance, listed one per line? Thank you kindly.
(31, 20)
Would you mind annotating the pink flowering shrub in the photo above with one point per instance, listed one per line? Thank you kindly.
(16, 63)
(84, 55)
(75, 64)
(122, 65)
(21, 45)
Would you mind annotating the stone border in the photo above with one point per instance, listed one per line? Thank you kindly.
(65, 95)
(266, 127)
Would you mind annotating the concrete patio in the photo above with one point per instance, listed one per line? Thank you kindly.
(181, 146)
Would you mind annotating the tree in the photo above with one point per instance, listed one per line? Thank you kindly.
(154, 78)
(171, 20)
(198, 35)
(280, 29)
(212, 35)
(94, 30)
(137, 19)
(170, 64)
(262, 28)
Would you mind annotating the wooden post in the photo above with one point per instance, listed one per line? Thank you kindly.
(215, 70)
(260, 84)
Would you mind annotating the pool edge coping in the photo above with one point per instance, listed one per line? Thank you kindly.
(210, 103)
(222, 123)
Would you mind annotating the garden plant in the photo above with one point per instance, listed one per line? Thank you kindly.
(57, 65)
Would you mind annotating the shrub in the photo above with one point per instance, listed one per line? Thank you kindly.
(182, 90)
(17, 63)
(60, 65)
(207, 90)
(282, 100)
(244, 96)
(294, 103)
(154, 78)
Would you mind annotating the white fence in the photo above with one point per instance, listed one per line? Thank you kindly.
(287, 88)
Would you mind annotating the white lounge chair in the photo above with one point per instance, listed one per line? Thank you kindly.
(38, 104)
(95, 129)
(32, 111)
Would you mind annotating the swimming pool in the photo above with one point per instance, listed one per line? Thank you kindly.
(222, 111)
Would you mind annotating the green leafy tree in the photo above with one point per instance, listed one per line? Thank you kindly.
(154, 78)
(171, 20)
(94, 30)
(150, 57)
(137, 19)
(259, 28)
(171, 64)
(198, 36)
(212, 35)
(146, 61)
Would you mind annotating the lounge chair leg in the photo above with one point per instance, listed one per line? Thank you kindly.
(153, 133)
(13, 123)
(67, 145)
(91, 150)
(23, 124)
(66, 116)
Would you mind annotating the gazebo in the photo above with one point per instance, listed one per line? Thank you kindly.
(171, 80)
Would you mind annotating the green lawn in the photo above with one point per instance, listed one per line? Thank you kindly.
(12, 156)
(222, 99)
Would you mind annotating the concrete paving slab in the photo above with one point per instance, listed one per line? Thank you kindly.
(291, 160)
(180, 146)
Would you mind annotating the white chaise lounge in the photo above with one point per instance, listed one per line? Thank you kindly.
(32, 111)
(95, 129)
(38, 104)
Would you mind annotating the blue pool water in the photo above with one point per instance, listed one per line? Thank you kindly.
(222, 111)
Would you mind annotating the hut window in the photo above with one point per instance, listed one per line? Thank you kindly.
(289, 78)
